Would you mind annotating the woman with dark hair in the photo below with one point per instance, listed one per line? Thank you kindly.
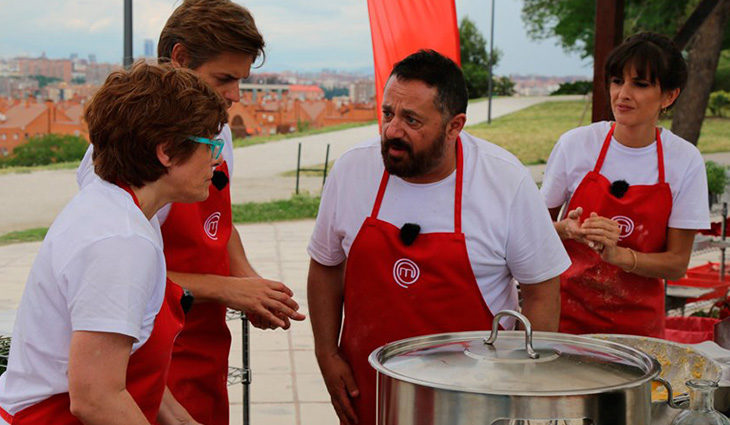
(635, 194)
(95, 328)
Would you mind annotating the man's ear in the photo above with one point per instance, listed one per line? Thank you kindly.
(455, 125)
(162, 155)
(179, 56)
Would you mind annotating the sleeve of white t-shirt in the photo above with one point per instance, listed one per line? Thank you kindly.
(690, 209)
(325, 245)
(85, 173)
(554, 187)
(110, 283)
(534, 250)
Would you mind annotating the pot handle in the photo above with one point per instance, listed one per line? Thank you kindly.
(670, 395)
(525, 322)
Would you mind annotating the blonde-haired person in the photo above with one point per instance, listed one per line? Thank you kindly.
(219, 41)
(95, 327)
(635, 195)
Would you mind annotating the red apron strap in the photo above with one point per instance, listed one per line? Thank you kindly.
(660, 155)
(604, 149)
(381, 192)
(458, 188)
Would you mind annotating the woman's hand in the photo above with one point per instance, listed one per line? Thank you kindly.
(601, 234)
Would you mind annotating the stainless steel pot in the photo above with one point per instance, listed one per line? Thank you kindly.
(512, 377)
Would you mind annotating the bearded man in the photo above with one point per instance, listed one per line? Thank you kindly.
(435, 246)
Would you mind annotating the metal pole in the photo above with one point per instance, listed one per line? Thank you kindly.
(723, 228)
(299, 160)
(128, 33)
(326, 161)
(491, 61)
(246, 369)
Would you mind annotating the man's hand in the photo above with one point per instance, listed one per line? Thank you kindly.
(570, 227)
(340, 384)
(267, 303)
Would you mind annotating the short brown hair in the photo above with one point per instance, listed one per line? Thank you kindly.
(208, 28)
(138, 109)
(654, 56)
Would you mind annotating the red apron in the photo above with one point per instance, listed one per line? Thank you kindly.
(196, 239)
(597, 297)
(394, 291)
(146, 371)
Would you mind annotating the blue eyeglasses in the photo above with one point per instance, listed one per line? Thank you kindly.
(216, 145)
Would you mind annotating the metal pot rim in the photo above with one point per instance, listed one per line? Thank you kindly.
(646, 363)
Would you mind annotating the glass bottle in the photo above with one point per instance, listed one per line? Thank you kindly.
(701, 405)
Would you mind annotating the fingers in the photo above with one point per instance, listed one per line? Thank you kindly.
(347, 389)
(575, 214)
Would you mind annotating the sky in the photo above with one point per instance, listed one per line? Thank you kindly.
(301, 35)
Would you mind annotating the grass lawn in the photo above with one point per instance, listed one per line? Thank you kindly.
(26, 170)
(30, 235)
(297, 207)
(531, 133)
(249, 141)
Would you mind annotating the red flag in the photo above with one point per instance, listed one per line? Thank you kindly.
(402, 27)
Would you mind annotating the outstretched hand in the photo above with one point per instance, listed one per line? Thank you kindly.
(268, 304)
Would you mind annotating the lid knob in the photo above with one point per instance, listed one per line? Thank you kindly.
(525, 322)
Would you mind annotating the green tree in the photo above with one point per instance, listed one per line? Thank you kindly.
(48, 149)
(475, 59)
(573, 23)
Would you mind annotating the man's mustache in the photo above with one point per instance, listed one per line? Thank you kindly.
(397, 144)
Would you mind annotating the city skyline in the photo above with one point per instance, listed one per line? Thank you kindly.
(299, 36)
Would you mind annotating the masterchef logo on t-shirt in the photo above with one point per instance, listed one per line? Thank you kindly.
(405, 272)
(626, 225)
(211, 225)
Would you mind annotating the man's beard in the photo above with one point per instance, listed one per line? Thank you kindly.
(413, 164)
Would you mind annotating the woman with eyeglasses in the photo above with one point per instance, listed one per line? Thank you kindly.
(94, 331)
(635, 195)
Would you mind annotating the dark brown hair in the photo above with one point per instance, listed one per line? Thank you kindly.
(208, 28)
(436, 70)
(655, 58)
(146, 106)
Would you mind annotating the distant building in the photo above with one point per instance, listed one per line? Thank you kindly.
(149, 48)
(56, 68)
(362, 91)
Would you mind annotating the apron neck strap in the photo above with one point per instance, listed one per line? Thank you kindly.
(129, 190)
(457, 188)
(659, 152)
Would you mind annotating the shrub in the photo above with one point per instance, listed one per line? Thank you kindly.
(719, 100)
(576, 87)
(716, 177)
(48, 149)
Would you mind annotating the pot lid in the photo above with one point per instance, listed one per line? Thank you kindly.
(466, 361)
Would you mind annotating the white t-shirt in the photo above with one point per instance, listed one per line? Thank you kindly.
(576, 152)
(508, 230)
(85, 173)
(100, 268)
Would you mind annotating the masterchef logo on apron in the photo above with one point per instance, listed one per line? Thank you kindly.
(211, 225)
(405, 272)
(626, 225)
